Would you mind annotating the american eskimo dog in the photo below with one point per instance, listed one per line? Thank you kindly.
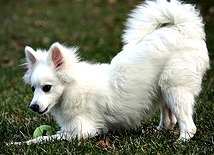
(161, 65)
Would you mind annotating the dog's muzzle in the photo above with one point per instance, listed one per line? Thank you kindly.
(35, 108)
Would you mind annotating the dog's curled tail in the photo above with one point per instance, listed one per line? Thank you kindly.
(151, 15)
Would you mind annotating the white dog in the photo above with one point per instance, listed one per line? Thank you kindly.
(161, 65)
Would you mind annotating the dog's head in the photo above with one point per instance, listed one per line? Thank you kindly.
(48, 73)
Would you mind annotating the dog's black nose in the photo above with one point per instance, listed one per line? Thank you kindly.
(35, 107)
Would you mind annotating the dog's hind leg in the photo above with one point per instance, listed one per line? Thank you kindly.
(167, 118)
(180, 101)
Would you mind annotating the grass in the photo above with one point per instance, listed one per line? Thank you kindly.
(95, 27)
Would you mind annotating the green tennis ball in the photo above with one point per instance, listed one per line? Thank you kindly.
(43, 130)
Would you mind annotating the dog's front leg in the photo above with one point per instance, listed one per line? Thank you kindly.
(41, 139)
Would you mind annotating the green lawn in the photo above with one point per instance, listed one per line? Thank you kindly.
(96, 27)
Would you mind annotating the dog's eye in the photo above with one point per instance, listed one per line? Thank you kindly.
(33, 88)
(46, 88)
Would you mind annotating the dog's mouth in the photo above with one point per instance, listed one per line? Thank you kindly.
(35, 107)
(42, 112)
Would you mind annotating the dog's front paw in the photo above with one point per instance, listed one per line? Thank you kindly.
(59, 132)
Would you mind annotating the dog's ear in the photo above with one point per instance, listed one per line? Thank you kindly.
(63, 60)
(56, 56)
(30, 61)
(30, 57)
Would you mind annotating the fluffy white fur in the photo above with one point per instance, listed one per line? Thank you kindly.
(161, 65)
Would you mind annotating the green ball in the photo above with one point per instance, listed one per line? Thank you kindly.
(43, 130)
